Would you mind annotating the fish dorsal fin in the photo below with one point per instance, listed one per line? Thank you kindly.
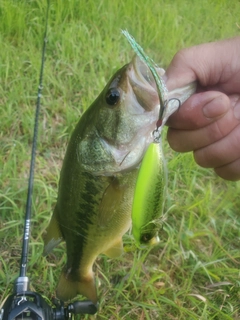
(53, 236)
(111, 200)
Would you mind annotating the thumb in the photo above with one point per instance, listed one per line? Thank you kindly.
(211, 64)
(200, 110)
(180, 71)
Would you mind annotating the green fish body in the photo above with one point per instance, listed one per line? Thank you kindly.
(98, 176)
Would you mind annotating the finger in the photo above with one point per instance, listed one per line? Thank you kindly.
(189, 140)
(205, 63)
(200, 110)
(220, 153)
(195, 63)
(230, 171)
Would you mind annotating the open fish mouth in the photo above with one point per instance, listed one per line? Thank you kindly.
(143, 72)
(144, 85)
(145, 93)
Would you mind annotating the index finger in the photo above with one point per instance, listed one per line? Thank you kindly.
(200, 110)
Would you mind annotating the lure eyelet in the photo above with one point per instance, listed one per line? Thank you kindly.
(145, 238)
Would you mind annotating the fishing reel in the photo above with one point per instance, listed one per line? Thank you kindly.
(28, 305)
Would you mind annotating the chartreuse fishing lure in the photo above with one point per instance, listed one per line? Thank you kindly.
(152, 177)
(149, 196)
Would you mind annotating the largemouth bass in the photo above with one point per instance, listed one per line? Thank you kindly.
(99, 172)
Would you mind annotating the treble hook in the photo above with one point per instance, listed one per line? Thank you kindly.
(156, 133)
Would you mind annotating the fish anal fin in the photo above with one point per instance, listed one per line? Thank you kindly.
(53, 235)
(68, 289)
(110, 202)
(115, 250)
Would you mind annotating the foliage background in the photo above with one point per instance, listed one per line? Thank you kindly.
(194, 272)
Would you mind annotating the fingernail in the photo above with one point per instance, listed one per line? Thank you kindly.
(216, 107)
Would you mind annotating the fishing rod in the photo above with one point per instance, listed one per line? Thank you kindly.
(24, 304)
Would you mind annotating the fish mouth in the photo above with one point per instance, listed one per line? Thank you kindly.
(144, 73)
(144, 84)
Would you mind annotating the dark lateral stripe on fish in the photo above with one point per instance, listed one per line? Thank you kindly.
(85, 216)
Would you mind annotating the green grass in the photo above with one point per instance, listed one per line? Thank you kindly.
(194, 272)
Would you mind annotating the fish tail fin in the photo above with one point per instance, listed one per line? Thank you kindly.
(53, 236)
(67, 289)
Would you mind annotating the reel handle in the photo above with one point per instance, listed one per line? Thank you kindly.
(82, 307)
(32, 306)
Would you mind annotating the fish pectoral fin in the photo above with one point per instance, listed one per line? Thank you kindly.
(116, 249)
(68, 289)
(53, 236)
(110, 202)
(51, 245)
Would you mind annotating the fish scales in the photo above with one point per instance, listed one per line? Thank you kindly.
(89, 226)
(86, 229)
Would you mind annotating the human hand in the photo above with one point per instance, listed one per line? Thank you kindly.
(208, 123)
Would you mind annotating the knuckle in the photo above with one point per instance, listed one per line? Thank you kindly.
(216, 131)
(181, 57)
(205, 157)
(199, 158)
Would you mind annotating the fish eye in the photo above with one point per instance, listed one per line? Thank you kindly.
(112, 96)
